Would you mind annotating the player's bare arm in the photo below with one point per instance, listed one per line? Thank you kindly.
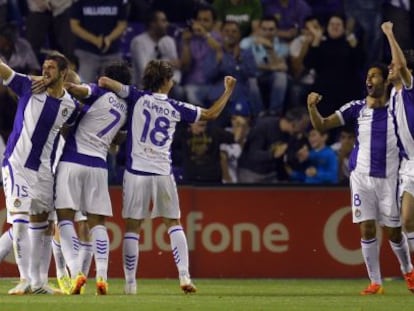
(214, 111)
(5, 71)
(398, 59)
(318, 122)
(110, 84)
(77, 90)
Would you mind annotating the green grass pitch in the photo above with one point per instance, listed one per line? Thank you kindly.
(221, 294)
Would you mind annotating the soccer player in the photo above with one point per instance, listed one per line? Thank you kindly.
(374, 164)
(151, 123)
(82, 175)
(403, 109)
(27, 173)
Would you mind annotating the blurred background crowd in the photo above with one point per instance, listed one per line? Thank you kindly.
(278, 50)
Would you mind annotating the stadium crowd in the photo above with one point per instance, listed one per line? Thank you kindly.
(247, 78)
(278, 51)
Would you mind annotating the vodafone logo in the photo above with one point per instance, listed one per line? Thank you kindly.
(334, 247)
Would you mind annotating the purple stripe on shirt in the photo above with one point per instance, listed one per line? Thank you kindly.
(402, 153)
(378, 151)
(408, 100)
(83, 159)
(17, 126)
(41, 132)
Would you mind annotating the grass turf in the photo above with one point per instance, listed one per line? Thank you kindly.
(221, 294)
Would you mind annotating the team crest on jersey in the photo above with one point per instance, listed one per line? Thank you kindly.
(357, 213)
(17, 203)
(65, 112)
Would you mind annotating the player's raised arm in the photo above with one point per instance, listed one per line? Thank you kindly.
(318, 122)
(398, 58)
(214, 111)
(5, 71)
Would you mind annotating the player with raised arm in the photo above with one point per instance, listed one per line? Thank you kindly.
(403, 109)
(151, 123)
(27, 167)
(374, 163)
(82, 174)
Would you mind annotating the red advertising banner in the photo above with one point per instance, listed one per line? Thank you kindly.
(249, 233)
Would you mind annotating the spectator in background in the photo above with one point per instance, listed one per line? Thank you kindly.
(270, 55)
(196, 42)
(399, 12)
(332, 54)
(364, 18)
(240, 127)
(231, 61)
(262, 158)
(3, 12)
(303, 78)
(98, 26)
(247, 13)
(155, 43)
(177, 11)
(343, 148)
(201, 156)
(17, 52)
(321, 161)
(48, 26)
(323, 9)
(290, 15)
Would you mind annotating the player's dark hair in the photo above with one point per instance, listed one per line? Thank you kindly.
(60, 59)
(382, 67)
(118, 71)
(156, 73)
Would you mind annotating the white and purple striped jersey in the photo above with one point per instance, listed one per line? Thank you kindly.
(102, 116)
(151, 123)
(402, 107)
(376, 151)
(38, 120)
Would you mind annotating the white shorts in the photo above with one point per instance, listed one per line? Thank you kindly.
(140, 190)
(26, 190)
(82, 188)
(407, 177)
(375, 199)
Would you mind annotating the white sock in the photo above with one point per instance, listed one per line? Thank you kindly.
(179, 248)
(410, 237)
(100, 242)
(21, 244)
(6, 243)
(403, 254)
(130, 254)
(59, 259)
(46, 257)
(36, 237)
(370, 253)
(69, 243)
(85, 256)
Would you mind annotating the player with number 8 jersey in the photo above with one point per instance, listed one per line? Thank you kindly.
(152, 118)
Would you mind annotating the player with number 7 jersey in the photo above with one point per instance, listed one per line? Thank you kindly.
(82, 175)
(151, 123)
